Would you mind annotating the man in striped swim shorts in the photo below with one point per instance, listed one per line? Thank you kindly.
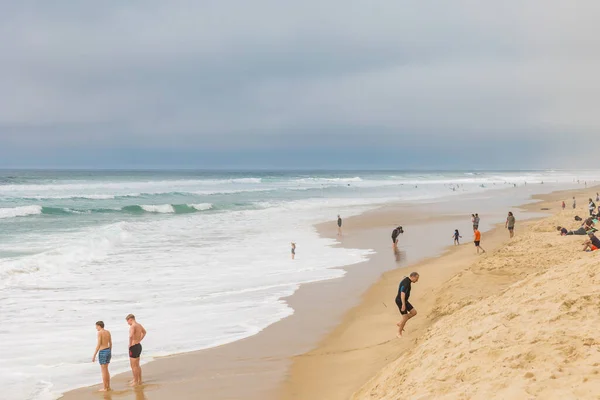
(103, 350)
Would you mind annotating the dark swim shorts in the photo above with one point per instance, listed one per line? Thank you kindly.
(409, 307)
(511, 228)
(477, 242)
(104, 356)
(135, 351)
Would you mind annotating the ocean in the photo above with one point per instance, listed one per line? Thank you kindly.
(201, 258)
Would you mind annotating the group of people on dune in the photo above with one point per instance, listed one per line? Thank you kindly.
(587, 227)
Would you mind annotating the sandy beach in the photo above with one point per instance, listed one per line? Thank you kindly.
(517, 322)
(341, 341)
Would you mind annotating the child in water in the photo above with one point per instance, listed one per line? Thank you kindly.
(456, 236)
(293, 250)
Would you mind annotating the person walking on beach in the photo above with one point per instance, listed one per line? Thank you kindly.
(476, 221)
(574, 203)
(510, 224)
(477, 240)
(456, 236)
(339, 223)
(591, 206)
(597, 197)
(293, 250)
(137, 333)
(563, 205)
(103, 350)
(406, 309)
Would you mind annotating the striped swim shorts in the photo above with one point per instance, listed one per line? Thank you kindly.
(104, 356)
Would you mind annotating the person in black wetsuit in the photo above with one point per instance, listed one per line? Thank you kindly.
(406, 309)
(456, 237)
(395, 233)
(339, 223)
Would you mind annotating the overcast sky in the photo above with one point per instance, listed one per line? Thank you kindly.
(275, 83)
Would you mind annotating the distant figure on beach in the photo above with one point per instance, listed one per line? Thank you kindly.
(510, 224)
(339, 223)
(574, 203)
(395, 233)
(406, 309)
(103, 350)
(456, 236)
(477, 240)
(592, 244)
(563, 205)
(293, 250)
(591, 206)
(597, 197)
(475, 221)
(137, 333)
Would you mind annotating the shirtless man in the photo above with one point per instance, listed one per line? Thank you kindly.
(137, 333)
(104, 347)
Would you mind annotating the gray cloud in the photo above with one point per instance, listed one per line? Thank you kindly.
(232, 74)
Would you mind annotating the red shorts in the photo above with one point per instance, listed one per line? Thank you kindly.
(594, 248)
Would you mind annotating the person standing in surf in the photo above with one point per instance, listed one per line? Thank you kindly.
(339, 224)
(103, 350)
(456, 237)
(406, 309)
(137, 333)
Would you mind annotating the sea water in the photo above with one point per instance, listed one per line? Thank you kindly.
(201, 258)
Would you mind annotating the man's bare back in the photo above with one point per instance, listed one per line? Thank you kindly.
(136, 334)
(104, 339)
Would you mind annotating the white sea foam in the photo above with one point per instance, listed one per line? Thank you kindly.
(201, 206)
(162, 208)
(20, 211)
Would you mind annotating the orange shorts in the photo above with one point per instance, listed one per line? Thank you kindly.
(594, 248)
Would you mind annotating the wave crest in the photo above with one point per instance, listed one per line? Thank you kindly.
(22, 211)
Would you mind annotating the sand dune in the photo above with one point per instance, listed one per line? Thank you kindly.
(520, 323)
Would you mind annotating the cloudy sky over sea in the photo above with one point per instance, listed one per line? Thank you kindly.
(270, 83)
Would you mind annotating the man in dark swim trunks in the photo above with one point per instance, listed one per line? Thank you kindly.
(136, 334)
(406, 309)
